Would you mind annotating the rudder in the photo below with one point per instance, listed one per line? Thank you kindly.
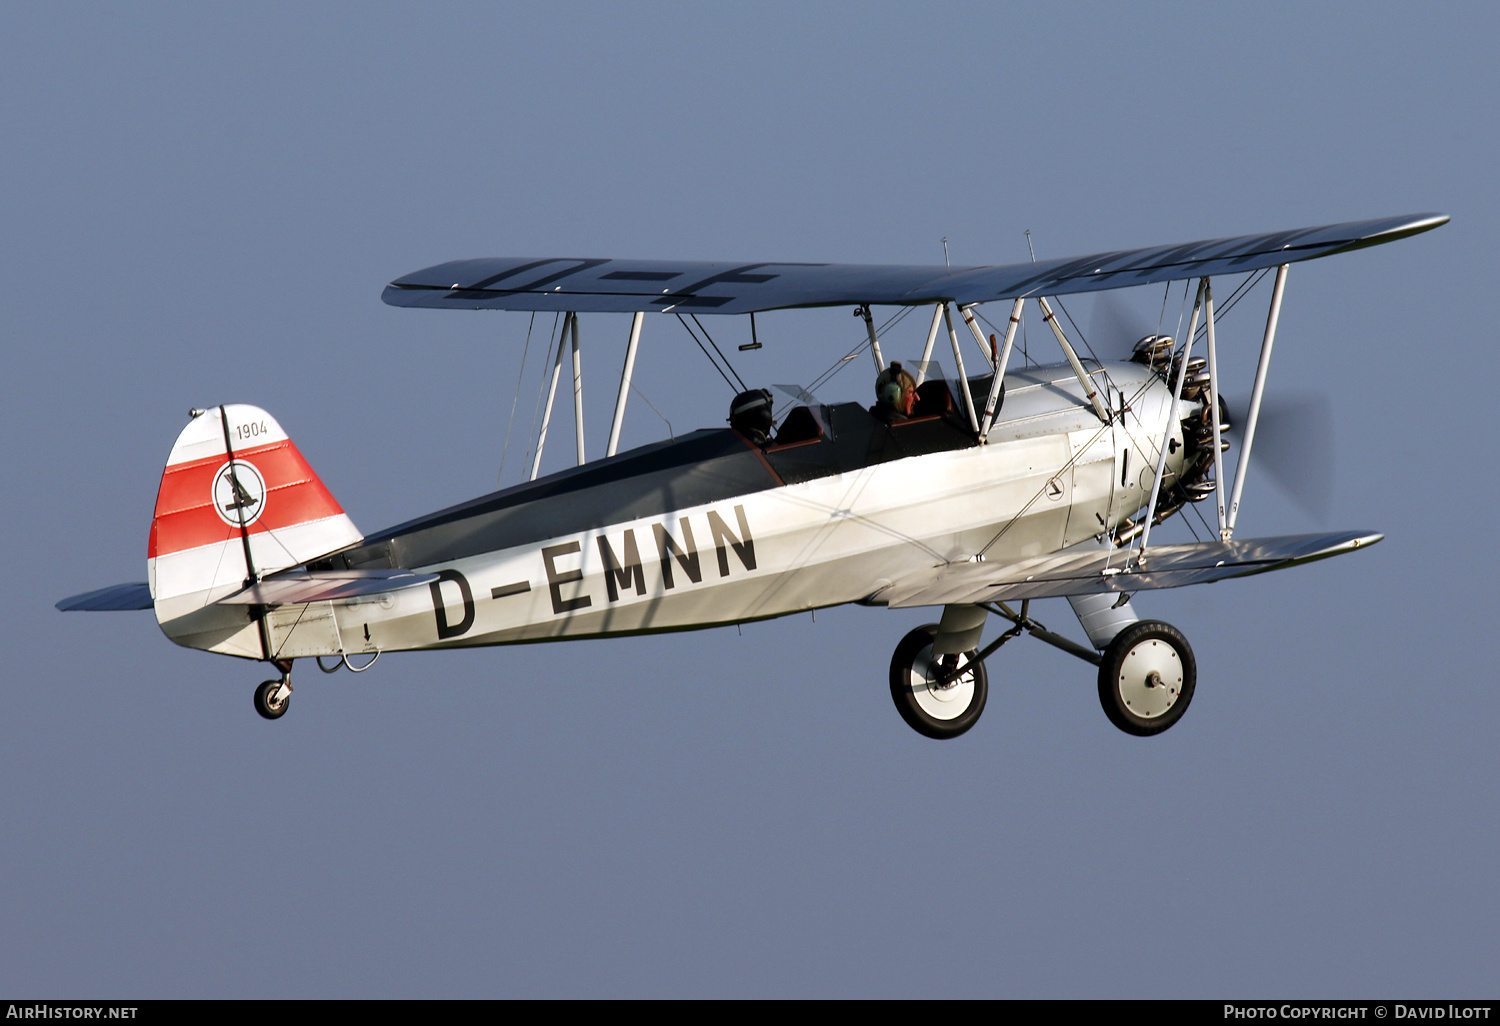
(235, 484)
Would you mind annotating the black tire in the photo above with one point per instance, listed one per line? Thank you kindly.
(925, 707)
(1131, 699)
(263, 700)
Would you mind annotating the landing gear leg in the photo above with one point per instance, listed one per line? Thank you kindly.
(274, 696)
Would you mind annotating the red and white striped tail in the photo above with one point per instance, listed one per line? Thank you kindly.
(236, 483)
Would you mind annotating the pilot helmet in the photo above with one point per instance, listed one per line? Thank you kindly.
(750, 414)
(893, 383)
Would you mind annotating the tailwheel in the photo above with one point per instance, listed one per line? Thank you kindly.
(273, 697)
(930, 705)
(1146, 678)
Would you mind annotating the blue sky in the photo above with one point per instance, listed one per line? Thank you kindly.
(201, 204)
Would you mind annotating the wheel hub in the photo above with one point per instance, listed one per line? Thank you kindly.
(939, 698)
(1150, 679)
(942, 677)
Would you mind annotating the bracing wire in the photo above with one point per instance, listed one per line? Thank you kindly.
(706, 353)
(1202, 520)
(1082, 338)
(718, 350)
(1240, 292)
(537, 411)
(1025, 356)
(990, 324)
(1078, 331)
(1182, 310)
(827, 375)
(520, 374)
(648, 402)
(838, 365)
(1243, 289)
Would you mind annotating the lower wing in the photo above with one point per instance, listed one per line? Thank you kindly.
(1097, 571)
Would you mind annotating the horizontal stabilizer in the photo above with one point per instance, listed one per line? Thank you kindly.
(325, 586)
(1095, 572)
(116, 597)
(688, 286)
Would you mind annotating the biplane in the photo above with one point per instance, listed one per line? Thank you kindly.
(976, 493)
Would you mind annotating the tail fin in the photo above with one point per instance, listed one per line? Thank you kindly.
(237, 500)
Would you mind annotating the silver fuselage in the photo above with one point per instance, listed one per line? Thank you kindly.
(626, 557)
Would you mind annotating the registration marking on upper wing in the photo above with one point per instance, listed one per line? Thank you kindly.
(592, 285)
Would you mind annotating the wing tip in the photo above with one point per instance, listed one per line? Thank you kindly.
(1405, 228)
(1418, 223)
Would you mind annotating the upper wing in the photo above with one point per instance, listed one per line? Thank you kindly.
(1095, 571)
(664, 286)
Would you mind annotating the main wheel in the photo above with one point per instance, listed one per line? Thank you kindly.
(1146, 678)
(265, 703)
(935, 710)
